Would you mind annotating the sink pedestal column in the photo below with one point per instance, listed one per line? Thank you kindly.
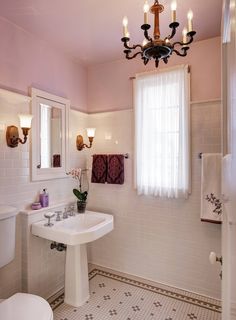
(76, 275)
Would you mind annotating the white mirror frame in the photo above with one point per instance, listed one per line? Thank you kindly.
(38, 174)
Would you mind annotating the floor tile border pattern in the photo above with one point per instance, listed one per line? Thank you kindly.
(59, 299)
(168, 293)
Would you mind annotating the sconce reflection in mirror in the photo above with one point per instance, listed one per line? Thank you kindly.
(12, 133)
(80, 141)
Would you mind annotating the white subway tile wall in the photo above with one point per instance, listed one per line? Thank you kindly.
(43, 269)
(157, 239)
(16, 189)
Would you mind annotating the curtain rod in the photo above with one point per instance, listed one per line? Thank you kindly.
(133, 78)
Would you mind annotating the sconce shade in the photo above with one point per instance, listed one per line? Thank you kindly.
(25, 120)
(91, 132)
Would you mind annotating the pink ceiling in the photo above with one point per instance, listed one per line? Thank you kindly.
(90, 30)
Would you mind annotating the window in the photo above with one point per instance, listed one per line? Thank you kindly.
(162, 132)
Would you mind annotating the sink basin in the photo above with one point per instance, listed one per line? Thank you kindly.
(75, 230)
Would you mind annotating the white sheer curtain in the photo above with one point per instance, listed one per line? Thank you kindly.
(162, 132)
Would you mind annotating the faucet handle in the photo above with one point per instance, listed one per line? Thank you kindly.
(58, 217)
(49, 216)
(72, 210)
(65, 214)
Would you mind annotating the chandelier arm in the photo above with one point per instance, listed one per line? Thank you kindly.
(190, 35)
(133, 47)
(173, 26)
(127, 54)
(147, 36)
(185, 49)
(125, 40)
(145, 28)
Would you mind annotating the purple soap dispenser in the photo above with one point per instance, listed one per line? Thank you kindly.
(43, 198)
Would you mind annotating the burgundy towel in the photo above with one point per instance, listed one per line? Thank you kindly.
(56, 159)
(99, 168)
(115, 168)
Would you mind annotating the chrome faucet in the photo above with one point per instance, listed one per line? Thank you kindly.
(65, 214)
(58, 217)
(72, 210)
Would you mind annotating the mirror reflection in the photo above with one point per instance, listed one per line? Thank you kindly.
(50, 136)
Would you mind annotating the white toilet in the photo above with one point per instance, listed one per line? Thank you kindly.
(20, 306)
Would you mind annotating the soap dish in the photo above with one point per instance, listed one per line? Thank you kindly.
(36, 206)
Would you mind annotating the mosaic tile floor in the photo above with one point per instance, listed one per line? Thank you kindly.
(116, 297)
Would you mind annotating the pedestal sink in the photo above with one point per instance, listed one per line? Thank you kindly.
(75, 232)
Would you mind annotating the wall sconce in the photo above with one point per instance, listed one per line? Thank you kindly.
(12, 133)
(80, 141)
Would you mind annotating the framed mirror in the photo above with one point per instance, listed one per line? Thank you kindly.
(50, 136)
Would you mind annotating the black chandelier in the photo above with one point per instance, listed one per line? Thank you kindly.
(157, 48)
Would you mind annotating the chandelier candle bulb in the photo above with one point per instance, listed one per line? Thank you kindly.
(125, 26)
(184, 35)
(146, 10)
(190, 21)
(145, 42)
(173, 11)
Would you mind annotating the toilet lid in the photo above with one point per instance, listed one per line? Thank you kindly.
(24, 306)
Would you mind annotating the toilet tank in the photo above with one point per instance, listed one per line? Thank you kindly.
(7, 234)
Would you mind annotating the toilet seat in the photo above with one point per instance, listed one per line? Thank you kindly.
(25, 306)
